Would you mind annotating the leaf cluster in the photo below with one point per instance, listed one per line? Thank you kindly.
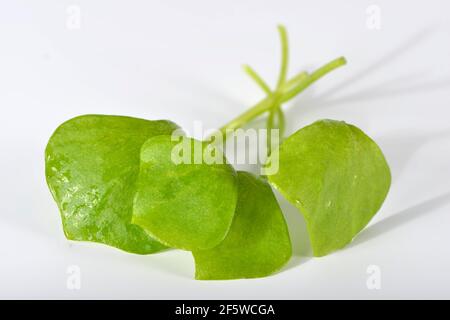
(115, 182)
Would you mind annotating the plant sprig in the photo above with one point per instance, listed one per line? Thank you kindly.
(127, 183)
(285, 90)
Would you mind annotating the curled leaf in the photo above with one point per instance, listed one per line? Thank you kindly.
(258, 242)
(186, 193)
(338, 178)
(91, 165)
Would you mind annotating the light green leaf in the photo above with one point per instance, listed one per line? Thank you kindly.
(337, 177)
(184, 202)
(258, 242)
(92, 164)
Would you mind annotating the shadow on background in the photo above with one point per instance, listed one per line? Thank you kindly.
(409, 83)
(394, 221)
(301, 246)
(399, 148)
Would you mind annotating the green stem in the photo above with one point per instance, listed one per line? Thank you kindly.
(296, 79)
(316, 75)
(257, 78)
(258, 109)
(284, 55)
(268, 103)
(276, 110)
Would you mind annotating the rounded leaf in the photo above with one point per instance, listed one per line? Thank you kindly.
(336, 175)
(188, 202)
(91, 165)
(258, 242)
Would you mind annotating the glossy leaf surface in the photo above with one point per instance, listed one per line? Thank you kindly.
(92, 164)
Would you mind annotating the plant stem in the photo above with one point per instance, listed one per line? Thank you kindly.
(296, 79)
(267, 103)
(257, 78)
(276, 108)
(316, 75)
(258, 109)
(284, 55)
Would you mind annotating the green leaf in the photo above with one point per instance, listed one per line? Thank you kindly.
(337, 177)
(92, 164)
(258, 242)
(182, 199)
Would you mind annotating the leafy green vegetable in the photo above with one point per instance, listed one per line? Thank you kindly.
(91, 165)
(285, 90)
(185, 204)
(133, 184)
(338, 178)
(258, 242)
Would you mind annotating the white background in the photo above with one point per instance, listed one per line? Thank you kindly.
(181, 60)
